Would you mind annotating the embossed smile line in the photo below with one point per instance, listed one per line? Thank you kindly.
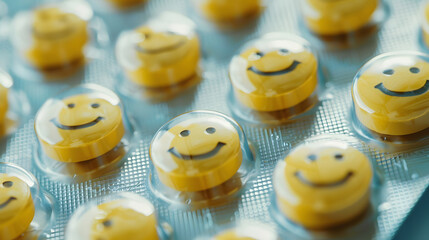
(301, 178)
(199, 156)
(413, 93)
(75, 127)
(3, 205)
(160, 50)
(281, 72)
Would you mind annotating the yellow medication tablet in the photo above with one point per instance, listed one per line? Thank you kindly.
(390, 93)
(425, 24)
(58, 38)
(16, 207)
(229, 11)
(327, 17)
(196, 152)
(160, 53)
(115, 220)
(275, 72)
(323, 185)
(80, 127)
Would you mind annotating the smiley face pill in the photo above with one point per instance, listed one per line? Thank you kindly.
(273, 73)
(81, 126)
(391, 93)
(114, 220)
(327, 17)
(160, 54)
(52, 37)
(16, 207)
(323, 185)
(196, 151)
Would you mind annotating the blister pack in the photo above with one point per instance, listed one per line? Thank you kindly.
(212, 119)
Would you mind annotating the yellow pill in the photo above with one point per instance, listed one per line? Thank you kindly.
(327, 17)
(115, 220)
(390, 93)
(230, 11)
(274, 73)
(323, 185)
(58, 37)
(159, 55)
(247, 232)
(16, 207)
(196, 154)
(79, 127)
(425, 24)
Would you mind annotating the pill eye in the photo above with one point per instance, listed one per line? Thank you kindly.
(312, 157)
(339, 156)
(388, 72)
(7, 184)
(283, 52)
(255, 56)
(70, 105)
(146, 35)
(414, 70)
(107, 223)
(185, 133)
(95, 105)
(210, 130)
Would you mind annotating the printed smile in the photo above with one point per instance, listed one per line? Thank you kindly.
(317, 185)
(413, 93)
(75, 127)
(281, 72)
(162, 49)
(199, 156)
(3, 205)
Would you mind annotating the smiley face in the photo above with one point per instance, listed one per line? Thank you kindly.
(230, 11)
(58, 38)
(196, 154)
(333, 17)
(390, 93)
(118, 219)
(124, 218)
(322, 185)
(274, 73)
(159, 55)
(16, 206)
(80, 127)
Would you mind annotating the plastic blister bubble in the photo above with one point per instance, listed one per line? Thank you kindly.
(327, 188)
(201, 158)
(117, 216)
(390, 95)
(83, 133)
(27, 211)
(274, 79)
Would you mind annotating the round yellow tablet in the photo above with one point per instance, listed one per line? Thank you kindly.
(58, 38)
(16, 207)
(248, 231)
(323, 185)
(195, 152)
(230, 11)
(391, 93)
(115, 220)
(334, 17)
(80, 127)
(159, 54)
(275, 72)
(425, 24)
